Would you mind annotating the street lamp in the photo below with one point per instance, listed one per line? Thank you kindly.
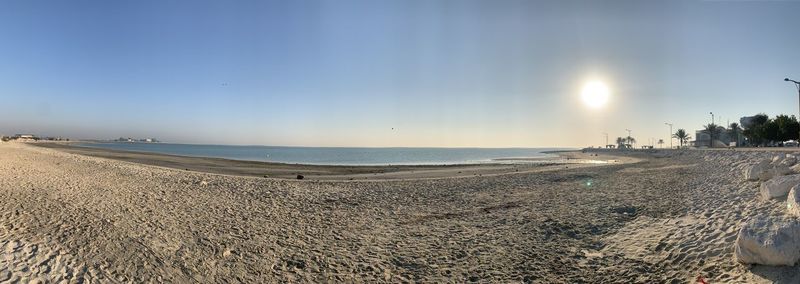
(796, 84)
(711, 131)
(606, 134)
(670, 134)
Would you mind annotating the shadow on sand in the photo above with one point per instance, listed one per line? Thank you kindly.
(777, 274)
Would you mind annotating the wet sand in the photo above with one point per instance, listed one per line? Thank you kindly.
(565, 159)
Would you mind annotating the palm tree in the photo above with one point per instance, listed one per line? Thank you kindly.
(713, 131)
(682, 136)
(630, 140)
(734, 131)
(660, 143)
(620, 142)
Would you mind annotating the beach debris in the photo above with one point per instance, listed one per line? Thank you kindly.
(793, 201)
(768, 241)
(300, 177)
(753, 173)
(700, 280)
(625, 210)
(779, 186)
(387, 274)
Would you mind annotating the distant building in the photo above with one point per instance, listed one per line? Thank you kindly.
(723, 138)
(132, 140)
(25, 137)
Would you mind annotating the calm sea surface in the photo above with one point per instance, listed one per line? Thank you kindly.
(335, 155)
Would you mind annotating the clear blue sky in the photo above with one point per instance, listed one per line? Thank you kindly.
(344, 73)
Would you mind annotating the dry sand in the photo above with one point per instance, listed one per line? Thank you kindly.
(668, 218)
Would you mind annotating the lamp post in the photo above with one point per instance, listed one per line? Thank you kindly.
(796, 84)
(670, 134)
(711, 132)
(606, 134)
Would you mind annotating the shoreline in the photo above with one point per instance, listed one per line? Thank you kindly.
(549, 154)
(340, 172)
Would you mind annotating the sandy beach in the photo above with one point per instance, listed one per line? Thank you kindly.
(660, 216)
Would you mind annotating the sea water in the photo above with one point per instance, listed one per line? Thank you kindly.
(339, 155)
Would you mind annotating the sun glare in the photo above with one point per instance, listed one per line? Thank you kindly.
(595, 94)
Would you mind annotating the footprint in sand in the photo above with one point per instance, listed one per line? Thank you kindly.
(26, 262)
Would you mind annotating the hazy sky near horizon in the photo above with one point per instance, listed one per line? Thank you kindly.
(390, 73)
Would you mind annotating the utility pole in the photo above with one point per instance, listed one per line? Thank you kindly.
(670, 134)
(796, 84)
(606, 134)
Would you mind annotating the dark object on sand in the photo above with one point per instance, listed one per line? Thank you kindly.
(300, 177)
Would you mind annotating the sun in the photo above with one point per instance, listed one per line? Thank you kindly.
(595, 94)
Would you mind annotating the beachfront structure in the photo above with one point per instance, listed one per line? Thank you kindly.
(723, 138)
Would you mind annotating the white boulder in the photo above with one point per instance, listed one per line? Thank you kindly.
(793, 201)
(768, 241)
(779, 186)
(753, 173)
(788, 161)
(774, 171)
